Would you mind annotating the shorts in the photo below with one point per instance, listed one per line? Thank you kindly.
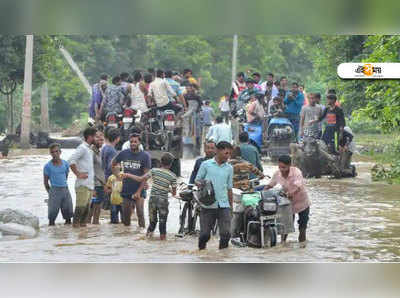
(99, 195)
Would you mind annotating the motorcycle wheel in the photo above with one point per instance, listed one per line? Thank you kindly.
(215, 229)
(273, 235)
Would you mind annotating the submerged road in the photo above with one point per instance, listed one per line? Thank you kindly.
(350, 220)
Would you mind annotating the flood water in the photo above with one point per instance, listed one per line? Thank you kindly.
(351, 220)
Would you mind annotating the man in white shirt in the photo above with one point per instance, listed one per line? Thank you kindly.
(81, 164)
(160, 89)
(274, 90)
(224, 107)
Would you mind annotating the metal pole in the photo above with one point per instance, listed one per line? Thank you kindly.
(44, 107)
(9, 129)
(234, 123)
(234, 56)
(12, 114)
(26, 106)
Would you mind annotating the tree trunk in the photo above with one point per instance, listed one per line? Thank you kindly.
(26, 106)
(44, 107)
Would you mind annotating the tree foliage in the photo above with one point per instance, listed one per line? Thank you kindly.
(310, 60)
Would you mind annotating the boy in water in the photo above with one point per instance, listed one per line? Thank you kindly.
(114, 186)
(164, 181)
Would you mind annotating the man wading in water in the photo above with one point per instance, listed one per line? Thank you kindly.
(81, 163)
(220, 173)
(135, 162)
(56, 170)
(291, 179)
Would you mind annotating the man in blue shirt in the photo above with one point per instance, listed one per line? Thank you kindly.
(209, 150)
(294, 101)
(138, 163)
(247, 93)
(176, 87)
(220, 173)
(56, 170)
(249, 152)
(97, 97)
(219, 132)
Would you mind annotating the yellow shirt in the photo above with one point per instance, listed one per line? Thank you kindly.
(116, 187)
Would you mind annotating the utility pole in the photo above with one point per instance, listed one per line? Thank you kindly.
(234, 122)
(44, 108)
(26, 106)
(234, 56)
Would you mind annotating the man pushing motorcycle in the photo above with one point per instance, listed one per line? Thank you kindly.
(291, 179)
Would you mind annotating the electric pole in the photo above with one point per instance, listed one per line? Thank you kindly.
(26, 105)
(44, 108)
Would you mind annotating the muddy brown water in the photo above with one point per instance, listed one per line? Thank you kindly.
(351, 220)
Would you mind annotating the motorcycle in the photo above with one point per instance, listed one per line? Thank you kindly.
(261, 216)
(280, 133)
(113, 120)
(162, 133)
(129, 117)
(159, 129)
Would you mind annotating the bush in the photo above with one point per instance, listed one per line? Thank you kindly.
(363, 126)
(391, 175)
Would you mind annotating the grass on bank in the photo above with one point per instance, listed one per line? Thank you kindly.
(381, 148)
(384, 150)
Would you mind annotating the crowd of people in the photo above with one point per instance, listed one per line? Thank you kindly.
(118, 181)
(274, 98)
(263, 101)
(105, 176)
(166, 90)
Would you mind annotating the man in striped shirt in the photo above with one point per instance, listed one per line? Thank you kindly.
(164, 181)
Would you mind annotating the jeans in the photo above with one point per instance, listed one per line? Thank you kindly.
(99, 194)
(225, 115)
(303, 218)
(127, 206)
(116, 213)
(171, 106)
(193, 106)
(207, 222)
(329, 138)
(295, 120)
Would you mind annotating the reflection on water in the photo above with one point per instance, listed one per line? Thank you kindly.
(350, 220)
